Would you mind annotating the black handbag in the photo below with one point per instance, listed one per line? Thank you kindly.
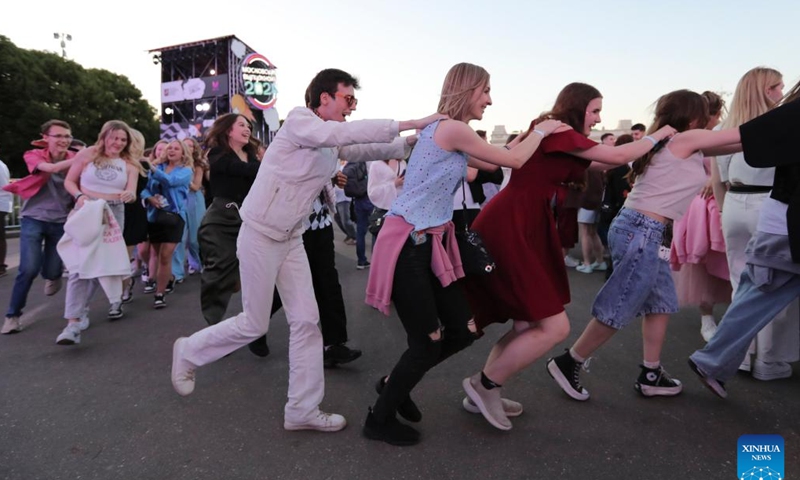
(167, 219)
(475, 258)
(376, 219)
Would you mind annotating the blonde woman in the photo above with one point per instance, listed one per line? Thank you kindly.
(148, 262)
(106, 171)
(758, 91)
(165, 196)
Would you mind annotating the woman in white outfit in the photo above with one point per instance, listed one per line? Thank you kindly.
(758, 91)
(108, 171)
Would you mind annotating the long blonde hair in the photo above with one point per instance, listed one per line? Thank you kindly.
(127, 154)
(186, 157)
(460, 82)
(750, 98)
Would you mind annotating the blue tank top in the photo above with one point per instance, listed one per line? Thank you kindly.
(432, 178)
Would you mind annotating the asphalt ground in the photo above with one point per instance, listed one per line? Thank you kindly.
(105, 409)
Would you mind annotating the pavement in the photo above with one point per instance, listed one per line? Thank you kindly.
(105, 409)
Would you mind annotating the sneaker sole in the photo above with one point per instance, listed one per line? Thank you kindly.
(648, 391)
(177, 350)
(115, 316)
(159, 307)
(711, 384)
(476, 399)
(333, 362)
(561, 380)
(294, 427)
(67, 341)
(472, 408)
(12, 331)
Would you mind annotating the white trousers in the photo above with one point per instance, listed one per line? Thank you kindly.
(779, 341)
(264, 264)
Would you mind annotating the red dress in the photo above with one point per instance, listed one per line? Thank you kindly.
(519, 230)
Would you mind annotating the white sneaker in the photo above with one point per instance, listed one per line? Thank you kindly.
(11, 325)
(83, 324)
(600, 266)
(745, 366)
(584, 268)
(182, 370)
(771, 370)
(512, 408)
(571, 262)
(708, 327)
(322, 422)
(70, 336)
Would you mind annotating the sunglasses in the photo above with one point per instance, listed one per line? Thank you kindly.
(350, 99)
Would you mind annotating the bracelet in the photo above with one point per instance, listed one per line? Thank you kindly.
(653, 140)
(536, 130)
(79, 195)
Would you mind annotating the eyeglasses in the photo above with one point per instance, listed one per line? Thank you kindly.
(350, 99)
(59, 137)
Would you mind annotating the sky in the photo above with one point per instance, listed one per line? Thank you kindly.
(633, 52)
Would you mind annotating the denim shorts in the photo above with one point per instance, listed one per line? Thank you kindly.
(641, 283)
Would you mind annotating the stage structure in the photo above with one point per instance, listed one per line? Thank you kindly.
(203, 80)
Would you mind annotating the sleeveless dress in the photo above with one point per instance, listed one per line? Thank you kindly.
(519, 230)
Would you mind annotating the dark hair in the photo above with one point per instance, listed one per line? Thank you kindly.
(511, 138)
(623, 139)
(639, 127)
(715, 103)
(217, 135)
(678, 109)
(792, 95)
(605, 135)
(481, 133)
(571, 103)
(327, 81)
(54, 123)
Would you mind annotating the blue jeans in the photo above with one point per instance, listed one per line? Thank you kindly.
(37, 253)
(641, 283)
(363, 209)
(753, 307)
(343, 219)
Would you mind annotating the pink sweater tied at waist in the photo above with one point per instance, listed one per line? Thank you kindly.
(445, 258)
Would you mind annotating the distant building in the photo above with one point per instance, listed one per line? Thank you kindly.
(499, 135)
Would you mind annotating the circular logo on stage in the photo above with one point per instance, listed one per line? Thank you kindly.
(258, 75)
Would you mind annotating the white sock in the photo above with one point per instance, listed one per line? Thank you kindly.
(651, 365)
(575, 356)
(708, 319)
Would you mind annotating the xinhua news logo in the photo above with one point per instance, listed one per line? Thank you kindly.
(760, 457)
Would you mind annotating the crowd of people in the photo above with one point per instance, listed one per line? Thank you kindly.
(646, 208)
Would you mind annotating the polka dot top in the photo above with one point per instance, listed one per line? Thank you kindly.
(432, 178)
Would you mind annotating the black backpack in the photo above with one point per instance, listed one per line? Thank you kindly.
(356, 173)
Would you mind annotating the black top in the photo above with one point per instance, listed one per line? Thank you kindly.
(231, 178)
(476, 186)
(770, 141)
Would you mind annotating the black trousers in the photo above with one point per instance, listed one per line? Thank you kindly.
(220, 277)
(327, 290)
(424, 307)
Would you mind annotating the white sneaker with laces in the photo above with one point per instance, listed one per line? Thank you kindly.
(83, 324)
(766, 371)
(70, 336)
(600, 266)
(570, 262)
(584, 268)
(182, 370)
(11, 325)
(322, 422)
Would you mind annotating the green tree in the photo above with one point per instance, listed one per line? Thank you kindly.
(39, 86)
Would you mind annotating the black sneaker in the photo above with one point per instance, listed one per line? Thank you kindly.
(259, 346)
(654, 382)
(716, 386)
(362, 266)
(149, 287)
(566, 372)
(339, 354)
(407, 409)
(170, 285)
(159, 301)
(115, 311)
(390, 431)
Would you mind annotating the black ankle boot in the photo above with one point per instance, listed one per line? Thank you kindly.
(390, 431)
(407, 408)
(259, 346)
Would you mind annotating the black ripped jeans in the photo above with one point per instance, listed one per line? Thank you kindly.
(424, 307)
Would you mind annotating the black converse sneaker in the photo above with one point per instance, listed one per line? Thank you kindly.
(566, 372)
(657, 382)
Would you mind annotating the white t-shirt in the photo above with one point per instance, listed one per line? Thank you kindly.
(6, 198)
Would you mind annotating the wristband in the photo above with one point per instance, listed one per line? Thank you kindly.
(536, 130)
(653, 140)
(79, 195)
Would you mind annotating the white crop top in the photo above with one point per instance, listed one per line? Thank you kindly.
(110, 177)
(668, 185)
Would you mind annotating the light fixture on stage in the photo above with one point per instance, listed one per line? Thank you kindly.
(169, 111)
(212, 72)
(156, 59)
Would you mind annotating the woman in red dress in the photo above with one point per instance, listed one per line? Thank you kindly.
(530, 284)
